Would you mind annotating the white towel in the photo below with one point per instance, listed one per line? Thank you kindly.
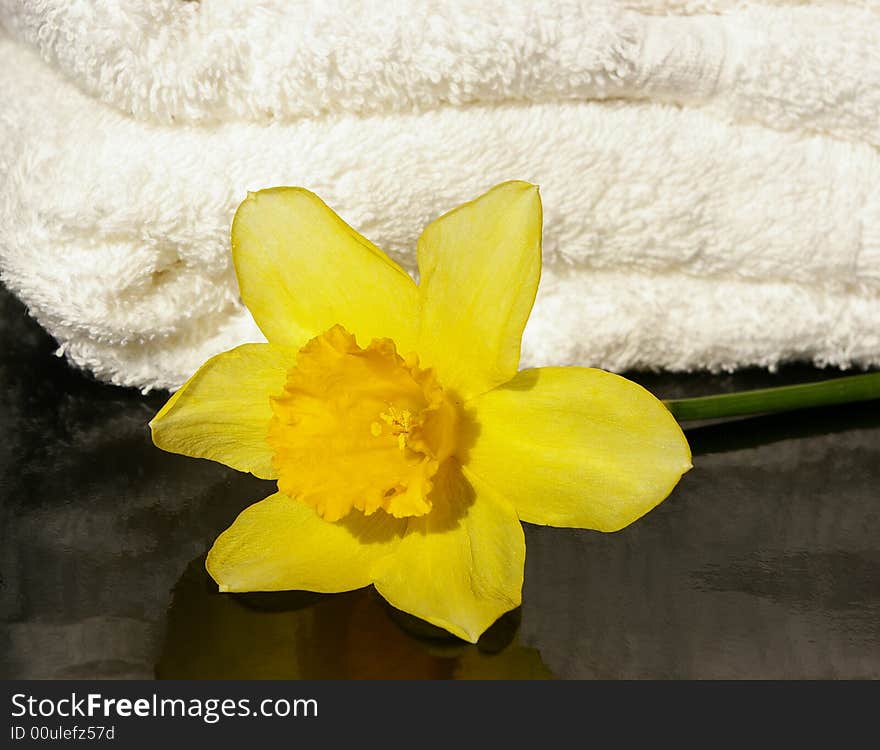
(710, 176)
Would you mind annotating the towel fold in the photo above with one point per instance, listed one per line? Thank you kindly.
(711, 182)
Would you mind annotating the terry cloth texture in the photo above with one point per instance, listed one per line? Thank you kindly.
(710, 170)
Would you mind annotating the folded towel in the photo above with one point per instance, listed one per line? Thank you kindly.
(711, 182)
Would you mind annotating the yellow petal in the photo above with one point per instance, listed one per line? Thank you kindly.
(461, 566)
(301, 270)
(223, 411)
(570, 446)
(479, 265)
(281, 544)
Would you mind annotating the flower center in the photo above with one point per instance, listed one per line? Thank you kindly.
(360, 428)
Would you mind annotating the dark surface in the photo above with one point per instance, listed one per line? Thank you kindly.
(765, 562)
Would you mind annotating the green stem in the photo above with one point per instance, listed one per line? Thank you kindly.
(783, 398)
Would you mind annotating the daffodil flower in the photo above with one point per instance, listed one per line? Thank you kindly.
(406, 446)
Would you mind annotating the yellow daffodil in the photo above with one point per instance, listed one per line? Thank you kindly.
(406, 446)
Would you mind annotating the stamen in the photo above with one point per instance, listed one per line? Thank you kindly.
(360, 428)
(400, 421)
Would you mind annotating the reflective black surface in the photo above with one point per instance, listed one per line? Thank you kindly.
(765, 562)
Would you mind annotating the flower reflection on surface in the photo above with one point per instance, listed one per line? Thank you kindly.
(301, 635)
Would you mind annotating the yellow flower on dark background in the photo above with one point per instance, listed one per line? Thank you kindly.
(406, 446)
